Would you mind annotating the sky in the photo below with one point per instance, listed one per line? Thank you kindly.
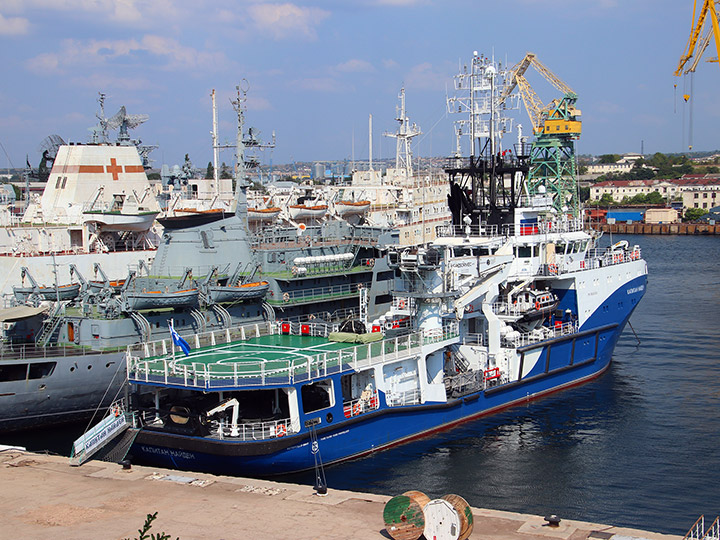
(315, 70)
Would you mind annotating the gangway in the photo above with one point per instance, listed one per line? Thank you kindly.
(699, 532)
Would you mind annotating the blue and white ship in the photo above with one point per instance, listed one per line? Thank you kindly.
(513, 301)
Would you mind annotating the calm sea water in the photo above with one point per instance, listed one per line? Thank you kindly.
(638, 447)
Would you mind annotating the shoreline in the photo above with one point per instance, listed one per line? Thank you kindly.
(43, 497)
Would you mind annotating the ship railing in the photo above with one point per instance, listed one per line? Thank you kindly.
(198, 374)
(317, 293)
(543, 333)
(516, 309)
(14, 351)
(473, 339)
(699, 532)
(407, 397)
(454, 231)
(303, 328)
(163, 347)
(597, 258)
(361, 405)
(255, 431)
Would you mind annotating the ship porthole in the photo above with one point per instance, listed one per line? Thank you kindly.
(329, 417)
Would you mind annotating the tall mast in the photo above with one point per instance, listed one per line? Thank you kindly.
(240, 181)
(404, 136)
(370, 140)
(216, 148)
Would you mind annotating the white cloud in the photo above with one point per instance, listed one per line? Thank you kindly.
(13, 26)
(355, 66)
(283, 21)
(102, 52)
(115, 10)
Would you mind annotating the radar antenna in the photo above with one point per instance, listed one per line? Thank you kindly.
(125, 122)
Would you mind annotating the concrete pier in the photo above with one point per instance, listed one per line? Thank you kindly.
(42, 497)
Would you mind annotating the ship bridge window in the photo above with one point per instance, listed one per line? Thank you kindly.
(524, 251)
(13, 372)
(462, 252)
(41, 370)
(317, 396)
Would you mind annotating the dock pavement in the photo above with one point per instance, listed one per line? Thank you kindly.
(43, 497)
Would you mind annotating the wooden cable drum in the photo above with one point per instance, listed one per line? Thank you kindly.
(404, 517)
(464, 513)
(442, 521)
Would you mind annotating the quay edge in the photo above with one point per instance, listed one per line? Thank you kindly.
(110, 502)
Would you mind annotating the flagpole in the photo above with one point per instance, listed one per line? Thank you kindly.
(172, 341)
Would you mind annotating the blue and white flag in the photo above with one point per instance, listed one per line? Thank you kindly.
(178, 340)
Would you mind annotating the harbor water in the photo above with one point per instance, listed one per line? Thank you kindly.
(637, 447)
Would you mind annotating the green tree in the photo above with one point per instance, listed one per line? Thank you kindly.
(210, 172)
(691, 214)
(607, 200)
(654, 198)
(609, 158)
(224, 171)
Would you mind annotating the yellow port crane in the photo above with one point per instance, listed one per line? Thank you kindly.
(696, 47)
(553, 167)
(559, 117)
(707, 10)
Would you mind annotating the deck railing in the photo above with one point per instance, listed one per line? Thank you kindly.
(317, 293)
(516, 339)
(254, 431)
(198, 374)
(361, 405)
(398, 399)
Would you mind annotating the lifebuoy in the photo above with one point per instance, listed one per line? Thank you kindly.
(286, 297)
(537, 306)
(388, 325)
(281, 430)
(371, 262)
(401, 304)
(357, 408)
(552, 268)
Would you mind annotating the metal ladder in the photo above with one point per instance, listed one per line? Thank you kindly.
(51, 325)
(699, 532)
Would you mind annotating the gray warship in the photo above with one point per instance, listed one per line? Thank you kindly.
(62, 358)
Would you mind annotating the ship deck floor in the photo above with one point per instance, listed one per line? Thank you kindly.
(275, 352)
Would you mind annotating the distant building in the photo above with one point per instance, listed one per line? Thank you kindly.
(694, 189)
(661, 215)
(623, 165)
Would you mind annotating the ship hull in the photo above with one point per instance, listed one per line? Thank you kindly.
(570, 364)
(58, 389)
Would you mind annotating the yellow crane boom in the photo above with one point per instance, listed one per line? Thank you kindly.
(559, 117)
(707, 9)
